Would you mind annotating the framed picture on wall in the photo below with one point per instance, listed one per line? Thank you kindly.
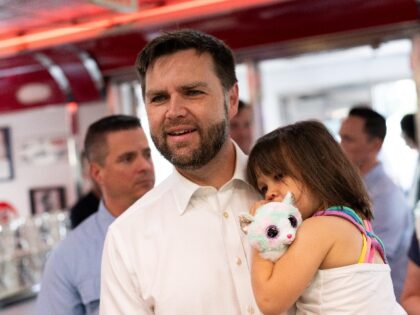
(6, 161)
(47, 199)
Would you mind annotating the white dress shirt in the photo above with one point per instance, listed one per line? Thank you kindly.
(180, 250)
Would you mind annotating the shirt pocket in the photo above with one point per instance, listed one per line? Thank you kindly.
(90, 292)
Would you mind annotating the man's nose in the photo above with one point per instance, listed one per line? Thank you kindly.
(176, 107)
(144, 165)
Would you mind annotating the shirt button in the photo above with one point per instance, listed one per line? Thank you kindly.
(251, 310)
(226, 215)
(239, 261)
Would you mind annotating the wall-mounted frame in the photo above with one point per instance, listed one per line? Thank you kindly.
(47, 199)
(6, 161)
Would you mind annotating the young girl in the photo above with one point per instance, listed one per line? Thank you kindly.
(336, 265)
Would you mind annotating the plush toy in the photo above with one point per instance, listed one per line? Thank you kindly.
(273, 228)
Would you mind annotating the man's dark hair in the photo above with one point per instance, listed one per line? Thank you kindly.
(95, 146)
(375, 124)
(175, 41)
(408, 127)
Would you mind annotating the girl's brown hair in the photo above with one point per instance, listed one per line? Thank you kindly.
(307, 152)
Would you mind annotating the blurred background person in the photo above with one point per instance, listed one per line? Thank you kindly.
(242, 127)
(120, 163)
(362, 135)
(409, 134)
(410, 297)
(89, 202)
(408, 130)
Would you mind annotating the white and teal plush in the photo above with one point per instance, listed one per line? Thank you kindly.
(273, 228)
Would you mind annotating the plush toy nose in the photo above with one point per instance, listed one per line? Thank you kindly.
(289, 236)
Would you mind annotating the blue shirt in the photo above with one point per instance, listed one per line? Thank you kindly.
(393, 222)
(71, 278)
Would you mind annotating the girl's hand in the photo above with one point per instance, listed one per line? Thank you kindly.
(256, 205)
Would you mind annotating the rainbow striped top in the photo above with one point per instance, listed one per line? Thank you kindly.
(371, 242)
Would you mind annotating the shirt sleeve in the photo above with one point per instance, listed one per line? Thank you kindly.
(119, 295)
(58, 295)
(414, 252)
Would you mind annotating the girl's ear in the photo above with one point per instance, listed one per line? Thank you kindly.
(376, 144)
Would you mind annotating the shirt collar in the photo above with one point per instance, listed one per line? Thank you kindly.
(185, 188)
(104, 217)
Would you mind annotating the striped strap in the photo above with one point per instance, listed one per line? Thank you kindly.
(364, 250)
(371, 241)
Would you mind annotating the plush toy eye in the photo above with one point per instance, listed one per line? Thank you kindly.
(272, 231)
(293, 221)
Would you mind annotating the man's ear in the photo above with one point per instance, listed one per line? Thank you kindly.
(95, 171)
(232, 100)
(376, 144)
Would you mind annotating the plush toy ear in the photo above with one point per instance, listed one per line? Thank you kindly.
(289, 199)
(245, 219)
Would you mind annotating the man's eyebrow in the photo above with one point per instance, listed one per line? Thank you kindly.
(184, 87)
(194, 85)
(125, 154)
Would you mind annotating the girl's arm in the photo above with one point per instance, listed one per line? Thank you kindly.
(278, 285)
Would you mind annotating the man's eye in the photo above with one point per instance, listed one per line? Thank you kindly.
(158, 99)
(193, 92)
(127, 158)
(147, 155)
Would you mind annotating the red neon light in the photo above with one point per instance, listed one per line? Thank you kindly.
(145, 18)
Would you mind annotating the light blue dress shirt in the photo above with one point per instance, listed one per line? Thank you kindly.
(393, 222)
(71, 280)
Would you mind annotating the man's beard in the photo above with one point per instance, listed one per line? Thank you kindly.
(212, 140)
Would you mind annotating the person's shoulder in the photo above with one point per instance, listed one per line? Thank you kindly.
(61, 256)
(315, 226)
(388, 194)
(383, 187)
(85, 228)
(324, 228)
(80, 242)
(78, 238)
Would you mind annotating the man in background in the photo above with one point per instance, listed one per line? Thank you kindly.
(410, 297)
(409, 134)
(120, 163)
(408, 130)
(242, 127)
(362, 135)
